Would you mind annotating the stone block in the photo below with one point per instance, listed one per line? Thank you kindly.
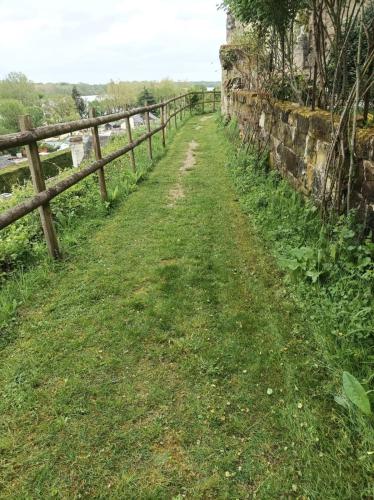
(273, 160)
(299, 143)
(310, 152)
(262, 120)
(77, 149)
(287, 136)
(310, 172)
(284, 115)
(368, 170)
(283, 132)
(269, 123)
(320, 126)
(322, 151)
(291, 162)
(274, 145)
(317, 184)
(368, 181)
(365, 144)
(292, 120)
(302, 124)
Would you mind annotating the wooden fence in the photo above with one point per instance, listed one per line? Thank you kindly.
(29, 137)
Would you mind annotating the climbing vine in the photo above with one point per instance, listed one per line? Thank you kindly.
(338, 75)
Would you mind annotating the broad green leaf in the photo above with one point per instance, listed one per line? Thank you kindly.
(356, 393)
(342, 401)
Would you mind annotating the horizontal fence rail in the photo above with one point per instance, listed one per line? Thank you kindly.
(29, 137)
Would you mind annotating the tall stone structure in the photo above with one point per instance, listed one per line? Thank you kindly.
(298, 139)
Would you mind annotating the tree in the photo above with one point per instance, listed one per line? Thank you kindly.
(59, 109)
(10, 111)
(166, 88)
(37, 115)
(17, 86)
(123, 94)
(266, 14)
(146, 98)
(79, 102)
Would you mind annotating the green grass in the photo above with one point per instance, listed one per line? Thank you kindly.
(22, 244)
(140, 366)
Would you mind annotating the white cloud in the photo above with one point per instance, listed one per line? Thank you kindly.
(96, 40)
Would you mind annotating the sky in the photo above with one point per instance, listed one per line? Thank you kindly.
(95, 41)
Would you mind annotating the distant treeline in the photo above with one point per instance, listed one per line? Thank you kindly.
(87, 89)
(59, 102)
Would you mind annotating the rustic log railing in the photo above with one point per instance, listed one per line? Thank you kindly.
(29, 136)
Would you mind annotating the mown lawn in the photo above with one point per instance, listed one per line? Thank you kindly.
(165, 359)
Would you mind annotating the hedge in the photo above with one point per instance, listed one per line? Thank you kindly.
(20, 173)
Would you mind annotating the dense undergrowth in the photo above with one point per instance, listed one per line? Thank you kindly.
(329, 269)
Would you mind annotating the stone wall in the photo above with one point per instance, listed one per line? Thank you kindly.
(20, 173)
(298, 140)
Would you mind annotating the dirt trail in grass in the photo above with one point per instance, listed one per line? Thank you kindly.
(165, 360)
(177, 191)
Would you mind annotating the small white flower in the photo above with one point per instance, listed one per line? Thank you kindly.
(269, 392)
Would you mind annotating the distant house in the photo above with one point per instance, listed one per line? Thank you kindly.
(92, 98)
(138, 121)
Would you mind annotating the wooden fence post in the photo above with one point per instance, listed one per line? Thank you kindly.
(129, 135)
(148, 123)
(39, 185)
(175, 114)
(98, 156)
(214, 101)
(163, 110)
(168, 115)
(203, 102)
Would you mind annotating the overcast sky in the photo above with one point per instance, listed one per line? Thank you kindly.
(98, 40)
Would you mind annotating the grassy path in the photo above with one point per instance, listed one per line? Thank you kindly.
(166, 361)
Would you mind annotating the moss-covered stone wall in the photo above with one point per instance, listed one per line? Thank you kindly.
(299, 140)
